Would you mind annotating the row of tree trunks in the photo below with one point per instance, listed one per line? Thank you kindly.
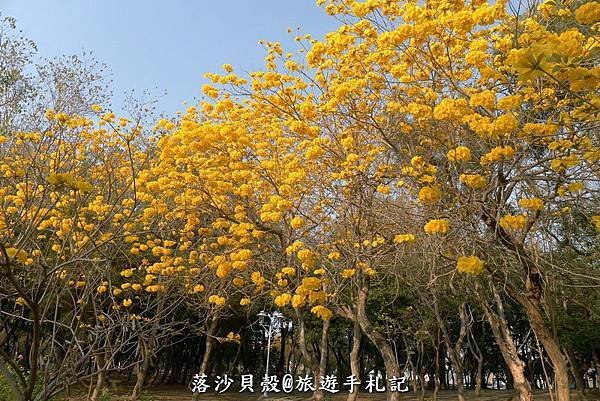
(493, 308)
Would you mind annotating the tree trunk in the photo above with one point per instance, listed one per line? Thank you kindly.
(577, 372)
(531, 301)
(478, 378)
(359, 315)
(421, 370)
(476, 352)
(141, 370)
(438, 370)
(392, 368)
(310, 359)
(147, 350)
(413, 371)
(354, 361)
(22, 386)
(505, 342)
(210, 341)
(324, 356)
(101, 378)
(281, 369)
(454, 350)
(551, 345)
(596, 366)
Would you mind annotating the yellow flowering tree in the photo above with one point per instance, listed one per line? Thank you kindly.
(231, 189)
(68, 195)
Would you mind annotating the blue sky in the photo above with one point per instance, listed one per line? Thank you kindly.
(165, 45)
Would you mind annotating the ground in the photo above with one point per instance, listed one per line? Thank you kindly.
(176, 393)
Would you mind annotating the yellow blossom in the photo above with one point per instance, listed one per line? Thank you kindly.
(384, 189)
(460, 153)
(512, 222)
(19, 255)
(497, 154)
(596, 222)
(430, 194)
(290, 271)
(575, 187)
(217, 300)
(486, 98)
(404, 238)
(297, 222)
(127, 273)
(469, 264)
(474, 181)
(436, 226)
(298, 301)
(531, 203)
(311, 283)
(588, 13)
(283, 299)
(347, 273)
(321, 311)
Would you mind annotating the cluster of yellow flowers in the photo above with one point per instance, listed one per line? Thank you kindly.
(70, 181)
(512, 222)
(469, 264)
(283, 299)
(430, 194)
(436, 226)
(217, 300)
(486, 98)
(497, 154)
(323, 312)
(531, 203)
(404, 238)
(347, 273)
(588, 13)
(297, 222)
(475, 181)
(460, 153)
(19, 255)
